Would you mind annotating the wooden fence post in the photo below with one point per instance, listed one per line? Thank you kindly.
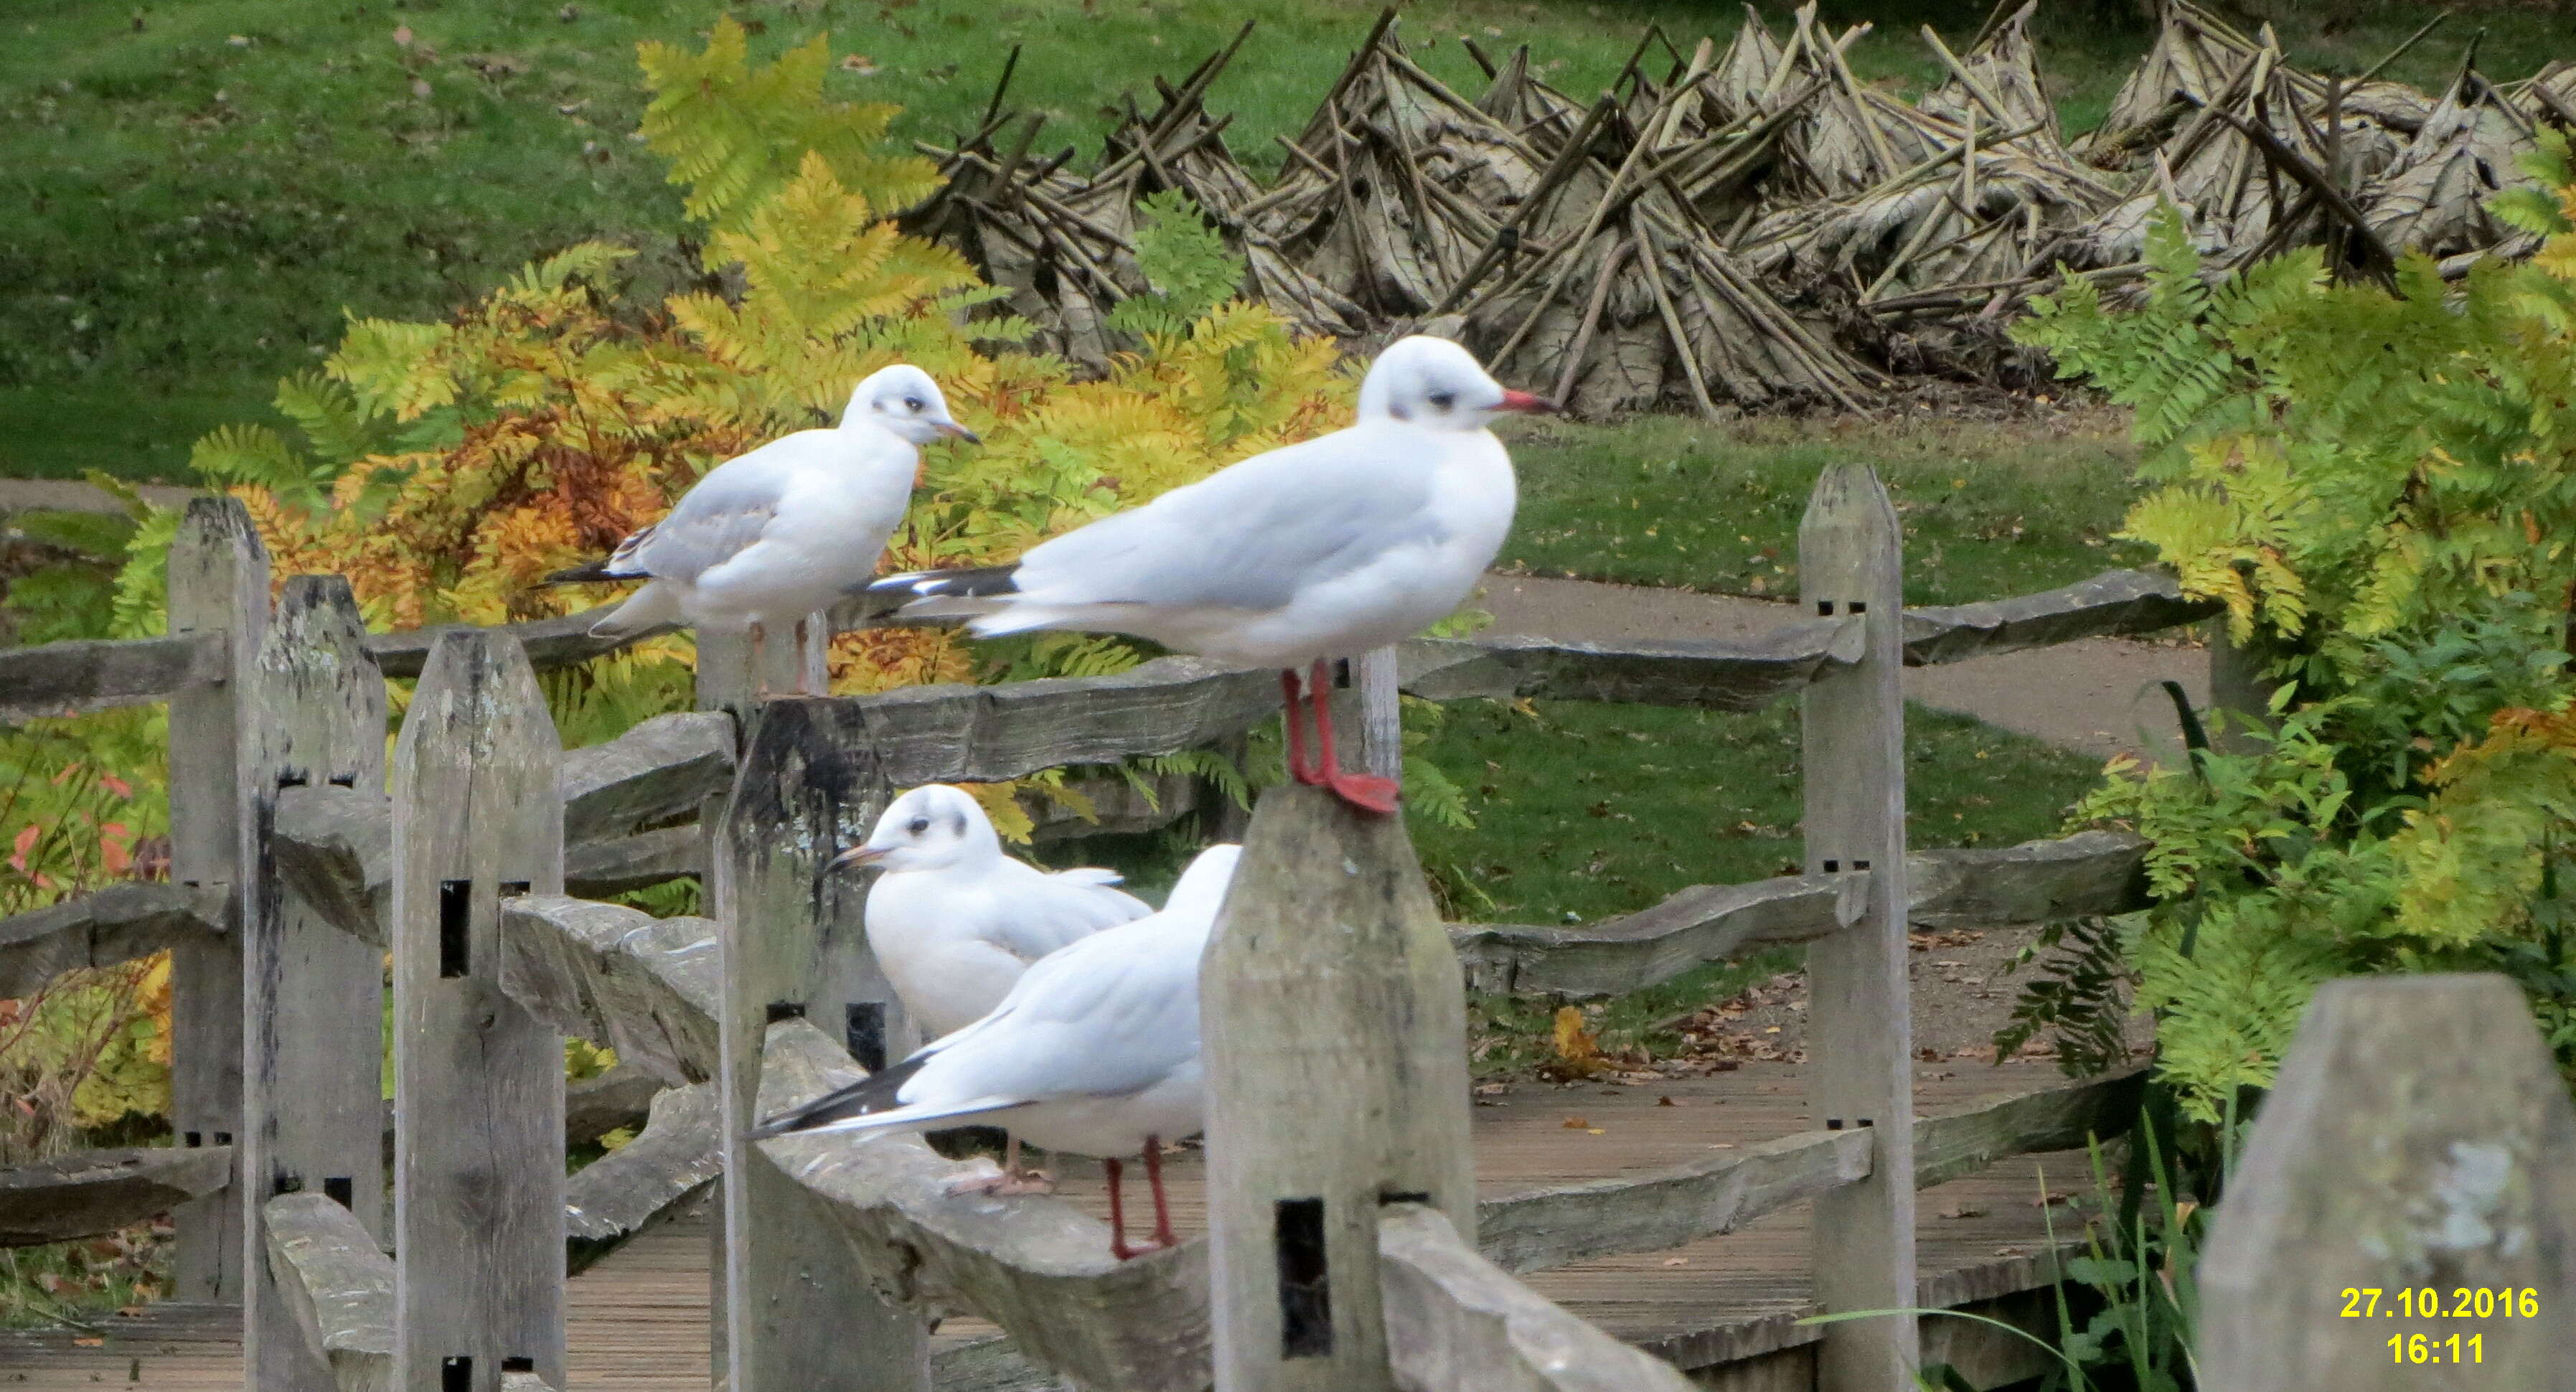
(313, 1003)
(1335, 1029)
(2236, 685)
(791, 662)
(218, 585)
(1381, 713)
(799, 1311)
(2414, 1164)
(478, 1082)
(1860, 1049)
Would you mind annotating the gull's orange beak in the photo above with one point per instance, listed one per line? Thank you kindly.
(954, 431)
(1527, 404)
(856, 855)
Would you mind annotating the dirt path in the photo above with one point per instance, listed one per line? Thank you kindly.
(2096, 696)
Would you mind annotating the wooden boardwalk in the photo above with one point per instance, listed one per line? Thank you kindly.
(638, 1320)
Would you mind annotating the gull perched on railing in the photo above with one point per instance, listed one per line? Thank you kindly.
(1095, 1051)
(1291, 558)
(772, 536)
(955, 923)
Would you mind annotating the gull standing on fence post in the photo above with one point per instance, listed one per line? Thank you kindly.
(1095, 1051)
(776, 534)
(954, 923)
(1291, 558)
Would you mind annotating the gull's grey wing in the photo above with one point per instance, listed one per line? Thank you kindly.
(719, 518)
(1057, 912)
(1248, 537)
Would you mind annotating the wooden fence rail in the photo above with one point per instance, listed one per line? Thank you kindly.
(830, 1255)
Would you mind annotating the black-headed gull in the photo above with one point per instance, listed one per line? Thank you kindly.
(1291, 558)
(772, 536)
(954, 922)
(1095, 1051)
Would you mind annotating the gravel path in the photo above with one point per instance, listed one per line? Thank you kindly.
(2095, 696)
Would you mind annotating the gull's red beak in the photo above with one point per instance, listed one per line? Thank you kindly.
(1527, 404)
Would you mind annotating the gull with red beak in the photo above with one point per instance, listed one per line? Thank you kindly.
(955, 923)
(1291, 558)
(769, 537)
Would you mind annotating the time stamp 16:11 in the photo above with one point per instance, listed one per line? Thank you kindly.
(2427, 1302)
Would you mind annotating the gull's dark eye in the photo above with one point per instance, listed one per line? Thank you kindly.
(1442, 401)
(912, 403)
(919, 825)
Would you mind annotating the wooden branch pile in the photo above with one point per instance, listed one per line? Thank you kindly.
(1751, 226)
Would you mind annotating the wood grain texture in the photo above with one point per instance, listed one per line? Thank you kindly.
(1456, 1322)
(650, 988)
(658, 772)
(313, 1004)
(337, 1287)
(663, 1171)
(1860, 1046)
(2089, 873)
(96, 1191)
(334, 848)
(218, 588)
(556, 642)
(117, 923)
(478, 1082)
(94, 674)
(798, 1313)
(1333, 1028)
(597, 869)
(1037, 1266)
(2418, 1136)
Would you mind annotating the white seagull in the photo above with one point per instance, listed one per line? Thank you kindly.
(954, 922)
(1095, 1051)
(771, 536)
(1309, 552)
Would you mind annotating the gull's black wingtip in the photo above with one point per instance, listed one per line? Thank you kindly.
(972, 582)
(585, 573)
(877, 1092)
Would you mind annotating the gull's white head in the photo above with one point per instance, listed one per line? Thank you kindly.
(902, 399)
(1437, 385)
(933, 827)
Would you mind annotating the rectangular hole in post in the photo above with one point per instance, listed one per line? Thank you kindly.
(455, 928)
(784, 1010)
(1860, 865)
(511, 889)
(338, 1190)
(344, 780)
(290, 780)
(1857, 606)
(1305, 1283)
(196, 1139)
(863, 1033)
(288, 1184)
(223, 1138)
(1388, 1196)
(1833, 1123)
(518, 1365)
(1833, 867)
(456, 1374)
(1825, 607)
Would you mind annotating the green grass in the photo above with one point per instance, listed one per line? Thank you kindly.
(1989, 508)
(187, 216)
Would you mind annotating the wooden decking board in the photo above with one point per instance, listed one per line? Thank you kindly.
(638, 1320)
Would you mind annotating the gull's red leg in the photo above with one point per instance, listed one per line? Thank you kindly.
(1117, 1218)
(1296, 732)
(1154, 1180)
(1365, 791)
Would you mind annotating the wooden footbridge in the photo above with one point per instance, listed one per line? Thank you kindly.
(1378, 1233)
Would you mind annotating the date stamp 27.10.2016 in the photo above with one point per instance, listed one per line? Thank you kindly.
(2445, 1342)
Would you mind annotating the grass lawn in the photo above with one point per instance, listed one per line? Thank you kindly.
(196, 193)
(1990, 508)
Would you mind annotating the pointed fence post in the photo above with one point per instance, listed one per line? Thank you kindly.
(313, 1004)
(2404, 1215)
(218, 586)
(1335, 1029)
(1381, 713)
(478, 1082)
(1859, 1030)
(790, 663)
(799, 1314)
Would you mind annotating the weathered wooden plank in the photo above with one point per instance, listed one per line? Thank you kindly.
(95, 1191)
(118, 923)
(338, 1287)
(798, 1314)
(2418, 1139)
(1333, 1027)
(560, 642)
(2115, 603)
(1037, 1266)
(650, 988)
(1455, 1322)
(660, 771)
(596, 869)
(218, 588)
(1735, 676)
(603, 1102)
(1860, 1050)
(2079, 876)
(93, 674)
(478, 1081)
(663, 1171)
(312, 1074)
(1542, 1228)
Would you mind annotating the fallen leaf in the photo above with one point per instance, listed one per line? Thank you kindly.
(1721, 1145)
(419, 87)
(1676, 1261)
(239, 40)
(1666, 1102)
(2012, 1251)
(402, 36)
(1491, 1089)
(1594, 1131)
(91, 1342)
(861, 64)
(1576, 1123)
(1962, 1210)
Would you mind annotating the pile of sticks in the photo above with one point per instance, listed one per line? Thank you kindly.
(1747, 225)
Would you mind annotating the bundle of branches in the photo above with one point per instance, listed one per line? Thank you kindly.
(2434, 197)
(2549, 96)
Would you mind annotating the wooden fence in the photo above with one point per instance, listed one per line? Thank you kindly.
(296, 874)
